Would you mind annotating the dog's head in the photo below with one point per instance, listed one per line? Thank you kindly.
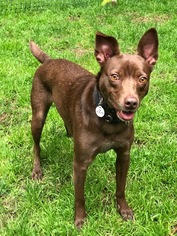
(124, 79)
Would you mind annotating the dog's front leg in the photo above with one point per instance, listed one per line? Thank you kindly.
(81, 163)
(122, 166)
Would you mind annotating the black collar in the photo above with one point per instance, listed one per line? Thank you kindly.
(109, 113)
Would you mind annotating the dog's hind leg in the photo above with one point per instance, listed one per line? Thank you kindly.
(40, 102)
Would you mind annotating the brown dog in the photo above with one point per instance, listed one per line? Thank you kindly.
(98, 111)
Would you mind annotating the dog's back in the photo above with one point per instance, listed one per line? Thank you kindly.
(55, 80)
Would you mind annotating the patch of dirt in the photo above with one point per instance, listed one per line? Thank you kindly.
(174, 230)
(80, 52)
(160, 19)
(3, 117)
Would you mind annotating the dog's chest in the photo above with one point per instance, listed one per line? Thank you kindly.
(114, 137)
(105, 146)
(112, 143)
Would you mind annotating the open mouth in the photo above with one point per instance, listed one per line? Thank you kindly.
(125, 115)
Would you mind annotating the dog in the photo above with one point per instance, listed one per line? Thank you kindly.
(97, 111)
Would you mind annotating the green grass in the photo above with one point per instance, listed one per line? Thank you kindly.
(46, 208)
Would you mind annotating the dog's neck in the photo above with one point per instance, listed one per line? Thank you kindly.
(103, 111)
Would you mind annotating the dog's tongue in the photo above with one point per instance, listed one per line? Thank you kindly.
(125, 115)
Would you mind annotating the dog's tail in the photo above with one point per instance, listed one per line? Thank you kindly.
(37, 52)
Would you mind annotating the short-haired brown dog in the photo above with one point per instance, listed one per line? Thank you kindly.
(97, 111)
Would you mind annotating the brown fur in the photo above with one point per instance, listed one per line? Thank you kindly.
(119, 87)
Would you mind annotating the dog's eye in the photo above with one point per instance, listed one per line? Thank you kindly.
(143, 80)
(115, 77)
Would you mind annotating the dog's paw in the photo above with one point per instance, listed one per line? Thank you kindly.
(80, 220)
(37, 174)
(127, 214)
(79, 223)
(124, 210)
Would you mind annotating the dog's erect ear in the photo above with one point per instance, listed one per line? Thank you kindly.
(148, 47)
(105, 47)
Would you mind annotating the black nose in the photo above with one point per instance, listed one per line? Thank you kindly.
(131, 103)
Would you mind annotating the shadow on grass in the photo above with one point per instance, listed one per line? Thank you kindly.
(57, 154)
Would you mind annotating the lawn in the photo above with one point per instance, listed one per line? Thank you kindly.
(67, 30)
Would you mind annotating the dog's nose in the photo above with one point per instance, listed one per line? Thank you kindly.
(131, 103)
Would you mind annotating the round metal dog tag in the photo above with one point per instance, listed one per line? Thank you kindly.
(100, 111)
